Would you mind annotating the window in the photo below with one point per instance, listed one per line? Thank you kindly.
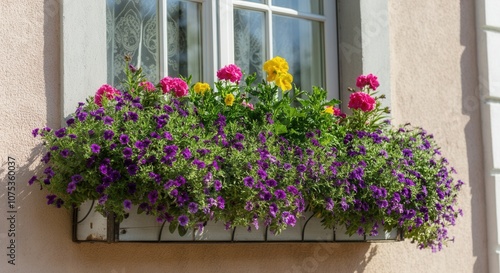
(196, 37)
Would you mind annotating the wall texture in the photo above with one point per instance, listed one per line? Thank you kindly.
(433, 79)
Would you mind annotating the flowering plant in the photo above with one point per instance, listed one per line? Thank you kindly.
(189, 153)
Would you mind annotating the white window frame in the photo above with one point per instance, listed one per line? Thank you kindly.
(488, 42)
(83, 44)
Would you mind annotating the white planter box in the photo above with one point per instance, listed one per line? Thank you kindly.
(90, 226)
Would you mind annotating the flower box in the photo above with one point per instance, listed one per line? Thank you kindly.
(91, 226)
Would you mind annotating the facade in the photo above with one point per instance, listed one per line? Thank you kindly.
(435, 58)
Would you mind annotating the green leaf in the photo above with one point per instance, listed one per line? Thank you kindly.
(182, 231)
(172, 227)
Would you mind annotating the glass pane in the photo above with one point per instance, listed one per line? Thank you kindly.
(132, 29)
(249, 41)
(184, 39)
(300, 42)
(309, 6)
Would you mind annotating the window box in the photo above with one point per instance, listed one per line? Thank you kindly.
(91, 226)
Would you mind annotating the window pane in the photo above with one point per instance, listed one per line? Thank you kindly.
(249, 41)
(309, 6)
(184, 39)
(300, 42)
(132, 29)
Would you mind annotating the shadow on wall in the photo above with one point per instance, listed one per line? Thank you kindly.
(472, 91)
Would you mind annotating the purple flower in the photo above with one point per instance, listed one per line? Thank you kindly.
(153, 196)
(273, 209)
(262, 174)
(248, 206)
(193, 207)
(301, 168)
(288, 218)
(357, 174)
(287, 166)
(170, 151)
(248, 181)
(124, 139)
(132, 169)
(108, 134)
(293, 190)
(70, 121)
(221, 203)
(262, 138)
(76, 178)
(60, 133)
(127, 152)
(238, 146)
(108, 120)
(217, 185)
(269, 118)
(82, 116)
(348, 138)
(35, 132)
(71, 187)
(361, 231)
(103, 199)
(239, 137)
(50, 199)
(343, 204)
(32, 180)
(329, 204)
(407, 153)
(132, 116)
(186, 153)
(271, 183)
(183, 220)
(200, 164)
(127, 204)
(280, 194)
(167, 136)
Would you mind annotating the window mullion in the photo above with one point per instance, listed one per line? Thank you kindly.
(163, 44)
(331, 49)
(269, 31)
(226, 32)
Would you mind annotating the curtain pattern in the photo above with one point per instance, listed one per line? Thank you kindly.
(132, 29)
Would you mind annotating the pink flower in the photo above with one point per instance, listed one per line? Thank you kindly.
(177, 85)
(361, 100)
(230, 73)
(108, 91)
(337, 112)
(247, 104)
(148, 86)
(369, 79)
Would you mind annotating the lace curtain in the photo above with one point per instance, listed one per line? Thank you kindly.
(133, 29)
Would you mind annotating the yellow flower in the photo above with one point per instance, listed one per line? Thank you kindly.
(275, 67)
(284, 81)
(329, 110)
(229, 100)
(201, 88)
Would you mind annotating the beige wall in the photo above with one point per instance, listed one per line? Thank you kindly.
(433, 80)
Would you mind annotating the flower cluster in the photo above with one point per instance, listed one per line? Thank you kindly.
(187, 154)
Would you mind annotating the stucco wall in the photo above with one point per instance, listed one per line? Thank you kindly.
(433, 79)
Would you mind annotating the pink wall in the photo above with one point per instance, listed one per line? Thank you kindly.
(433, 81)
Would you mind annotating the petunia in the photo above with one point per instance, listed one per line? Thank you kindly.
(127, 204)
(183, 220)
